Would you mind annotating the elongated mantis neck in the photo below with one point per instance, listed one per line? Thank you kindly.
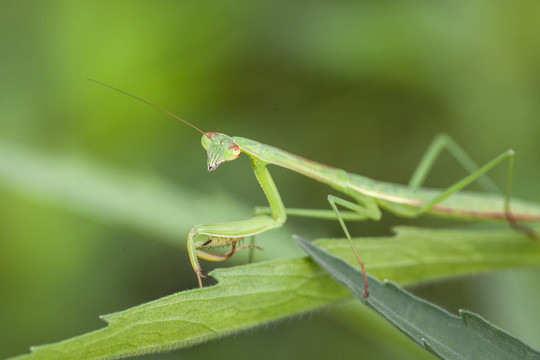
(334, 177)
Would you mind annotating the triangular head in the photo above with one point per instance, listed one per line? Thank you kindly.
(220, 148)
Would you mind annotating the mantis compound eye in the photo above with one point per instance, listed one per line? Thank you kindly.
(207, 139)
(231, 153)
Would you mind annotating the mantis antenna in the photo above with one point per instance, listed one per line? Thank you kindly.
(149, 103)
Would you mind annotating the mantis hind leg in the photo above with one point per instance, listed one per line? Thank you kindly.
(367, 210)
(509, 216)
(441, 142)
(509, 154)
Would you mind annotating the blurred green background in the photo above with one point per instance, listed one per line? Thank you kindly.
(363, 86)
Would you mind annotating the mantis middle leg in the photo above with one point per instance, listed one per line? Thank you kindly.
(367, 208)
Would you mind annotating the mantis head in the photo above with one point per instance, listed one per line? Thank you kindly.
(220, 148)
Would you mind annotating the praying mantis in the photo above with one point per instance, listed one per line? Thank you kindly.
(409, 201)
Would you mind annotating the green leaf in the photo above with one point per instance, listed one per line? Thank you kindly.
(468, 336)
(256, 294)
(246, 296)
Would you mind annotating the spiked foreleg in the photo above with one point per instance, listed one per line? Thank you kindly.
(207, 236)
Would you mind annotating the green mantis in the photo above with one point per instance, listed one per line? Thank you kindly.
(368, 195)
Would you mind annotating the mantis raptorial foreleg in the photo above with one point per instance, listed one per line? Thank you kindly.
(221, 257)
(438, 144)
(207, 236)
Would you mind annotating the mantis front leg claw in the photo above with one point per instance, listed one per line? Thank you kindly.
(195, 252)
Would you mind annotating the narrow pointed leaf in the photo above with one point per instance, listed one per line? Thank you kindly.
(467, 336)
